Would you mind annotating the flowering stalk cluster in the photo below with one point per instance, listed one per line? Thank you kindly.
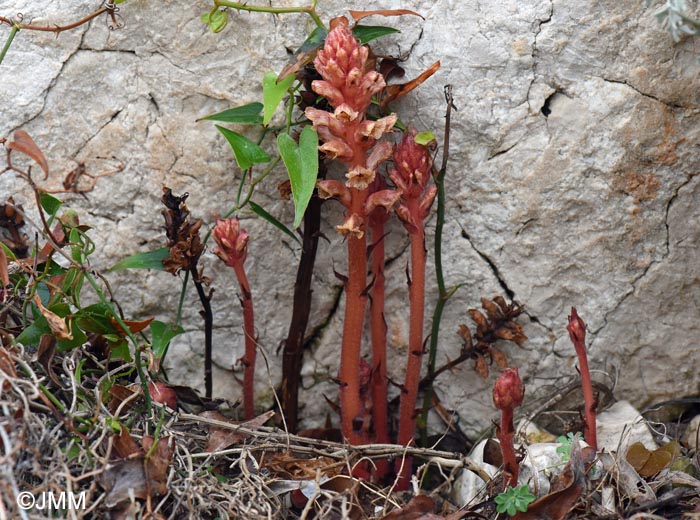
(350, 137)
(508, 393)
(232, 248)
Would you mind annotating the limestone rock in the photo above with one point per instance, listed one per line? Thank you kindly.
(572, 179)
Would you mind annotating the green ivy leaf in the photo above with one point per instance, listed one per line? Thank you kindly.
(259, 211)
(217, 20)
(273, 93)
(247, 114)
(302, 166)
(162, 334)
(146, 260)
(314, 41)
(50, 203)
(247, 153)
(367, 33)
(424, 138)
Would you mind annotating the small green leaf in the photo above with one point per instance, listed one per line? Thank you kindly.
(247, 153)
(50, 203)
(162, 333)
(8, 252)
(302, 166)
(260, 212)
(146, 260)
(424, 138)
(273, 93)
(76, 245)
(314, 41)
(217, 20)
(247, 114)
(120, 350)
(367, 33)
(514, 499)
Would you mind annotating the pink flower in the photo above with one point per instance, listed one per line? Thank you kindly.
(231, 241)
(342, 63)
(348, 86)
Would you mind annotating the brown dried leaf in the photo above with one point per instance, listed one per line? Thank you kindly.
(492, 453)
(7, 366)
(359, 15)
(134, 326)
(45, 355)
(156, 464)
(648, 463)
(119, 394)
(393, 92)
(221, 438)
(23, 143)
(419, 507)
(123, 479)
(125, 446)
(56, 323)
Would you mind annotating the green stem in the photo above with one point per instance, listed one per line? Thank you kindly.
(13, 32)
(443, 295)
(137, 355)
(311, 11)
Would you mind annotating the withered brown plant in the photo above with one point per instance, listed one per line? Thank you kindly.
(497, 324)
(186, 248)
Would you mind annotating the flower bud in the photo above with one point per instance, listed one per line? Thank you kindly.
(576, 328)
(508, 391)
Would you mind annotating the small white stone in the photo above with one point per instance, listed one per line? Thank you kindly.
(620, 426)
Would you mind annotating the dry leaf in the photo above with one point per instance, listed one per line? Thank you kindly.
(56, 323)
(23, 143)
(45, 355)
(416, 509)
(123, 478)
(125, 446)
(134, 326)
(156, 464)
(393, 92)
(221, 438)
(7, 366)
(649, 463)
(120, 394)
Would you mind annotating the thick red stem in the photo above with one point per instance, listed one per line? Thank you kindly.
(505, 435)
(378, 335)
(577, 333)
(351, 406)
(589, 402)
(248, 359)
(416, 295)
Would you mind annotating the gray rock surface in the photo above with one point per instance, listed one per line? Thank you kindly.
(572, 178)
